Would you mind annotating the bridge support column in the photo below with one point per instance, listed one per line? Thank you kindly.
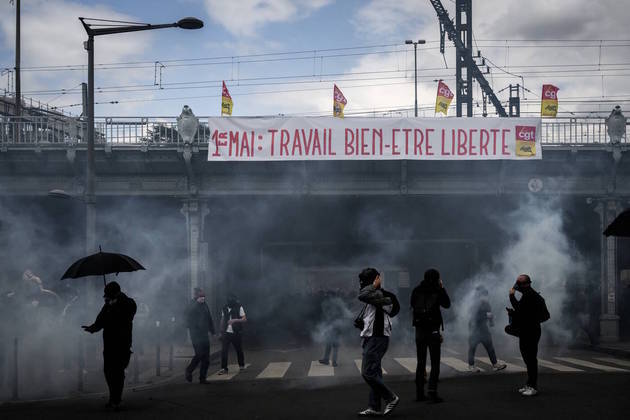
(195, 212)
(609, 319)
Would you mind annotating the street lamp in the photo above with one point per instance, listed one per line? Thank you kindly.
(95, 27)
(415, 65)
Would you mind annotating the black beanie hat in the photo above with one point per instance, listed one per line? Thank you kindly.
(367, 276)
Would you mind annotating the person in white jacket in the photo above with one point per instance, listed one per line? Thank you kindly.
(380, 305)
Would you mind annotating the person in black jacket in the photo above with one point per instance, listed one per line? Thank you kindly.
(116, 321)
(426, 300)
(199, 323)
(528, 313)
(480, 319)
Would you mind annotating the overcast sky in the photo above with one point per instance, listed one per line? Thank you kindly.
(283, 56)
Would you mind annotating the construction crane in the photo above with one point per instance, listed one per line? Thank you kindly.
(464, 56)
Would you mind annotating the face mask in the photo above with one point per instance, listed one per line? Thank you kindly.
(201, 299)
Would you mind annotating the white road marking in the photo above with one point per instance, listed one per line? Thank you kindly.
(614, 361)
(591, 365)
(456, 364)
(555, 366)
(358, 363)
(233, 370)
(510, 367)
(409, 363)
(317, 369)
(446, 349)
(274, 370)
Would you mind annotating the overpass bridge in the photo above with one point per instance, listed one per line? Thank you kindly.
(145, 156)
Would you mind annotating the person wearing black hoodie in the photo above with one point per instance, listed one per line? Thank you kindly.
(426, 300)
(199, 323)
(116, 321)
(527, 315)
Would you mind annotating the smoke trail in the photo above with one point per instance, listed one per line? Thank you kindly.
(538, 246)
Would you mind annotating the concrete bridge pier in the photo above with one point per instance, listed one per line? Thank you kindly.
(195, 211)
(608, 209)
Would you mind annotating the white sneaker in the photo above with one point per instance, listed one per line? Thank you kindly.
(242, 368)
(498, 366)
(223, 372)
(523, 389)
(391, 405)
(473, 368)
(368, 412)
(529, 392)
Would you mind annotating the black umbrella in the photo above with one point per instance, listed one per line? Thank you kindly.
(101, 263)
(620, 226)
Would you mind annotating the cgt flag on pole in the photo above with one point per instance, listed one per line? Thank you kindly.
(549, 101)
(226, 101)
(339, 102)
(443, 98)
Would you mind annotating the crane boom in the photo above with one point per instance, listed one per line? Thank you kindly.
(448, 26)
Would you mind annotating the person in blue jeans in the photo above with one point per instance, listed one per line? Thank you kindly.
(380, 305)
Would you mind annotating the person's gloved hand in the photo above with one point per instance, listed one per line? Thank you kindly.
(88, 328)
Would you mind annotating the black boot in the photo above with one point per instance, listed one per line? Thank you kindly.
(420, 394)
(434, 398)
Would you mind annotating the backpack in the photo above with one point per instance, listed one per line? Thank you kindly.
(426, 311)
(543, 312)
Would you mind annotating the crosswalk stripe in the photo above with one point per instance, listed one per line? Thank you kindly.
(591, 364)
(510, 367)
(558, 367)
(233, 370)
(456, 364)
(317, 369)
(358, 363)
(274, 370)
(409, 363)
(451, 351)
(614, 361)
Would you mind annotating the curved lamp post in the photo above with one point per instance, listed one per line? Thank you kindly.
(96, 27)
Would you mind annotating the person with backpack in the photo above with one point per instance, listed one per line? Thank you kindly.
(232, 319)
(426, 300)
(529, 312)
(376, 327)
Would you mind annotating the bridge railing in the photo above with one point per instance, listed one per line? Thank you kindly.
(134, 131)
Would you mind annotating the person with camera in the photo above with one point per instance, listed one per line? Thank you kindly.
(426, 300)
(528, 313)
(376, 327)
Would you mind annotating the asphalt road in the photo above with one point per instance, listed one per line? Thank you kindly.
(563, 396)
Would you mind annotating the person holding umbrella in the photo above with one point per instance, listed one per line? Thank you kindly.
(116, 321)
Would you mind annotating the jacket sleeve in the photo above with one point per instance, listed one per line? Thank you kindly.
(395, 304)
(445, 301)
(515, 303)
(99, 323)
(373, 296)
(210, 323)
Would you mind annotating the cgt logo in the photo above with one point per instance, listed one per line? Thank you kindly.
(526, 133)
(550, 92)
(445, 92)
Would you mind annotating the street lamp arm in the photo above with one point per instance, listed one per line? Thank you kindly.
(186, 23)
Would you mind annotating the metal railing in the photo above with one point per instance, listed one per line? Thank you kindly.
(156, 131)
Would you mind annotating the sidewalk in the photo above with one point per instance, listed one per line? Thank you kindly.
(142, 372)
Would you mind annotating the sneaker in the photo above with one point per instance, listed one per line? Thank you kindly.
(323, 361)
(391, 405)
(188, 376)
(369, 412)
(223, 372)
(241, 368)
(203, 381)
(473, 369)
(523, 389)
(529, 392)
(498, 366)
(334, 364)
